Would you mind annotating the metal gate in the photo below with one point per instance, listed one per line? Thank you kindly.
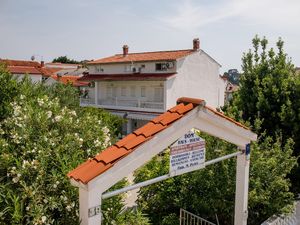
(187, 218)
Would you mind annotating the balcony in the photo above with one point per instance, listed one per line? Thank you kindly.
(122, 104)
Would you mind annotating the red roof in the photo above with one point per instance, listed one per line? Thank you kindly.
(107, 158)
(145, 57)
(25, 67)
(132, 76)
(23, 70)
(10, 62)
(74, 80)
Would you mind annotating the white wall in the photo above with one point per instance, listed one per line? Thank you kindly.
(34, 78)
(198, 77)
(120, 68)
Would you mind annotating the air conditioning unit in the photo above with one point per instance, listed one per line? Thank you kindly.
(136, 70)
(170, 65)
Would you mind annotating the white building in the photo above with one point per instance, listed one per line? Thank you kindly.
(140, 86)
(20, 68)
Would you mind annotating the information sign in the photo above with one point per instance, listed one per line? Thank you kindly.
(187, 154)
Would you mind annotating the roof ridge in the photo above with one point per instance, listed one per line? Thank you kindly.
(178, 50)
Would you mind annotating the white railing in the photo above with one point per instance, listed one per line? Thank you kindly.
(87, 101)
(137, 103)
(187, 218)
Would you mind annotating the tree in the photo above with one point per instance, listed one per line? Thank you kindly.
(64, 59)
(42, 138)
(269, 96)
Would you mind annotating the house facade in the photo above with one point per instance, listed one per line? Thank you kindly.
(140, 86)
(20, 68)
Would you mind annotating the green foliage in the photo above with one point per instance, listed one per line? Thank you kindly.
(64, 59)
(42, 137)
(212, 190)
(269, 95)
(130, 217)
(8, 91)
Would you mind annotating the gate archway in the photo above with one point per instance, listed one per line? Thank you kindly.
(97, 175)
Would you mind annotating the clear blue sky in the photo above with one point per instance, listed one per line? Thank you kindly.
(91, 29)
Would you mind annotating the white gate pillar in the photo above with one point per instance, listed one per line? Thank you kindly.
(242, 184)
(89, 207)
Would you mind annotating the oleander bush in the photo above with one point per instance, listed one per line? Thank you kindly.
(42, 137)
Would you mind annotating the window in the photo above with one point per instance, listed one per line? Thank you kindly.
(132, 91)
(109, 92)
(158, 94)
(99, 69)
(143, 91)
(114, 92)
(161, 67)
(123, 91)
(128, 68)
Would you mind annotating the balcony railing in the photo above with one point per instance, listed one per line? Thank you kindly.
(137, 103)
(123, 104)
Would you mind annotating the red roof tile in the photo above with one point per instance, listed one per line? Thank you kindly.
(26, 67)
(145, 57)
(74, 80)
(107, 158)
(23, 70)
(133, 76)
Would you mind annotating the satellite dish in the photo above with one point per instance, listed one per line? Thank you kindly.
(32, 58)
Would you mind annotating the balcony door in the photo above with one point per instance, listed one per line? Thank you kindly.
(158, 94)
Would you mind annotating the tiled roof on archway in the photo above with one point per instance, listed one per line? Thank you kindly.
(107, 158)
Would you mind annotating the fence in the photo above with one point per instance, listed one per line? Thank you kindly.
(187, 218)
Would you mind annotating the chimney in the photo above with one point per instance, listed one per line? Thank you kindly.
(196, 44)
(125, 50)
(42, 63)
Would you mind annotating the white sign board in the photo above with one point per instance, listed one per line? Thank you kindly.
(187, 154)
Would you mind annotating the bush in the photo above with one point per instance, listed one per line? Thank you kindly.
(42, 138)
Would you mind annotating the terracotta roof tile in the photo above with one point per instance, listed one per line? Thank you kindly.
(149, 129)
(125, 140)
(107, 158)
(144, 57)
(111, 154)
(181, 108)
(170, 118)
(135, 142)
(194, 101)
(89, 170)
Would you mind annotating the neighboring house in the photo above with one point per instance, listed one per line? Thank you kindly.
(140, 86)
(34, 70)
(230, 89)
(67, 80)
(59, 67)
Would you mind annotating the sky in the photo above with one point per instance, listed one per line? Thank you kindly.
(92, 29)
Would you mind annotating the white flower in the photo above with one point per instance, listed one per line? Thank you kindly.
(27, 208)
(44, 218)
(54, 186)
(105, 130)
(16, 179)
(45, 201)
(73, 113)
(58, 118)
(49, 114)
